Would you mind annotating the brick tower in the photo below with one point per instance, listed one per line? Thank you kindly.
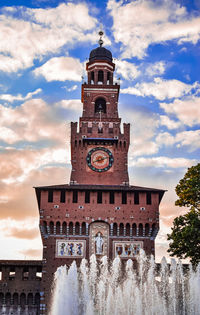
(98, 212)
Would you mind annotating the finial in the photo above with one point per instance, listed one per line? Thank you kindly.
(100, 39)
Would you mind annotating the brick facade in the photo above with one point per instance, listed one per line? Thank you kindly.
(98, 212)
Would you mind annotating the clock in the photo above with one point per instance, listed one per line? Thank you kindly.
(100, 159)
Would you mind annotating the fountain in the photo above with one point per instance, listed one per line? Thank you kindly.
(103, 289)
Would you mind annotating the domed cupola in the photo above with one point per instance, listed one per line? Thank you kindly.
(100, 53)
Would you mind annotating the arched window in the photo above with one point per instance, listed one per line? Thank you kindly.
(30, 299)
(134, 227)
(83, 228)
(128, 229)
(108, 77)
(100, 105)
(45, 227)
(1, 298)
(8, 298)
(51, 227)
(70, 228)
(57, 228)
(115, 229)
(140, 229)
(92, 77)
(64, 228)
(121, 229)
(15, 299)
(22, 300)
(100, 77)
(146, 229)
(77, 228)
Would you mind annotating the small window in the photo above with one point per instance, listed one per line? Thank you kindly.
(99, 197)
(38, 275)
(136, 198)
(0, 275)
(148, 195)
(62, 196)
(12, 274)
(50, 195)
(75, 196)
(87, 196)
(112, 197)
(124, 197)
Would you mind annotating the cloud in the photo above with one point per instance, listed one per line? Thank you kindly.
(39, 32)
(22, 233)
(73, 88)
(186, 110)
(157, 68)
(163, 161)
(11, 98)
(32, 121)
(161, 89)
(127, 69)
(153, 23)
(32, 253)
(169, 123)
(61, 69)
(74, 105)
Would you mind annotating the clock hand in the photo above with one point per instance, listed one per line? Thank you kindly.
(98, 160)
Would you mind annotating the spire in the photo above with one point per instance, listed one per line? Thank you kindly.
(100, 39)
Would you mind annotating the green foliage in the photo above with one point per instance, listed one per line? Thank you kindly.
(188, 189)
(185, 237)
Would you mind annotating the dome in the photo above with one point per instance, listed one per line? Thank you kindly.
(100, 53)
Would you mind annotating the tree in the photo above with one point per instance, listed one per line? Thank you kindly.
(185, 235)
(188, 189)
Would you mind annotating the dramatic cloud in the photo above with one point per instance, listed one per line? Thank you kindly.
(163, 161)
(61, 69)
(126, 69)
(141, 23)
(157, 68)
(11, 98)
(39, 32)
(161, 89)
(186, 110)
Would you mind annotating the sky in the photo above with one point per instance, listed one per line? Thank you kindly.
(44, 45)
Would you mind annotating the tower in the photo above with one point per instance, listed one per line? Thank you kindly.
(98, 212)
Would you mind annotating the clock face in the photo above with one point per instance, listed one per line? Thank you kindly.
(100, 159)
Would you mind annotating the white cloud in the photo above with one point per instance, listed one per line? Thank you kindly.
(126, 69)
(140, 23)
(157, 68)
(169, 123)
(163, 161)
(186, 110)
(161, 89)
(190, 138)
(42, 31)
(61, 69)
(11, 98)
(74, 105)
(73, 88)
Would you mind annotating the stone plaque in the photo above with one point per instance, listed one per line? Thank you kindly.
(126, 249)
(70, 248)
(99, 239)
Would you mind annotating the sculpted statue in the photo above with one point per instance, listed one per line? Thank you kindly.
(99, 244)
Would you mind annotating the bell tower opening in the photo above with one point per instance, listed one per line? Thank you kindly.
(100, 105)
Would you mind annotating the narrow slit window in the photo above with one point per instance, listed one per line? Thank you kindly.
(112, 197)
(124, 197)
(50, 195)
(87, 196)
(148, 195)
(136, 198)
(62, 196)
(75, 196)
(99, 197)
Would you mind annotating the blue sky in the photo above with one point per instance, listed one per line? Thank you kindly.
(43, 49)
